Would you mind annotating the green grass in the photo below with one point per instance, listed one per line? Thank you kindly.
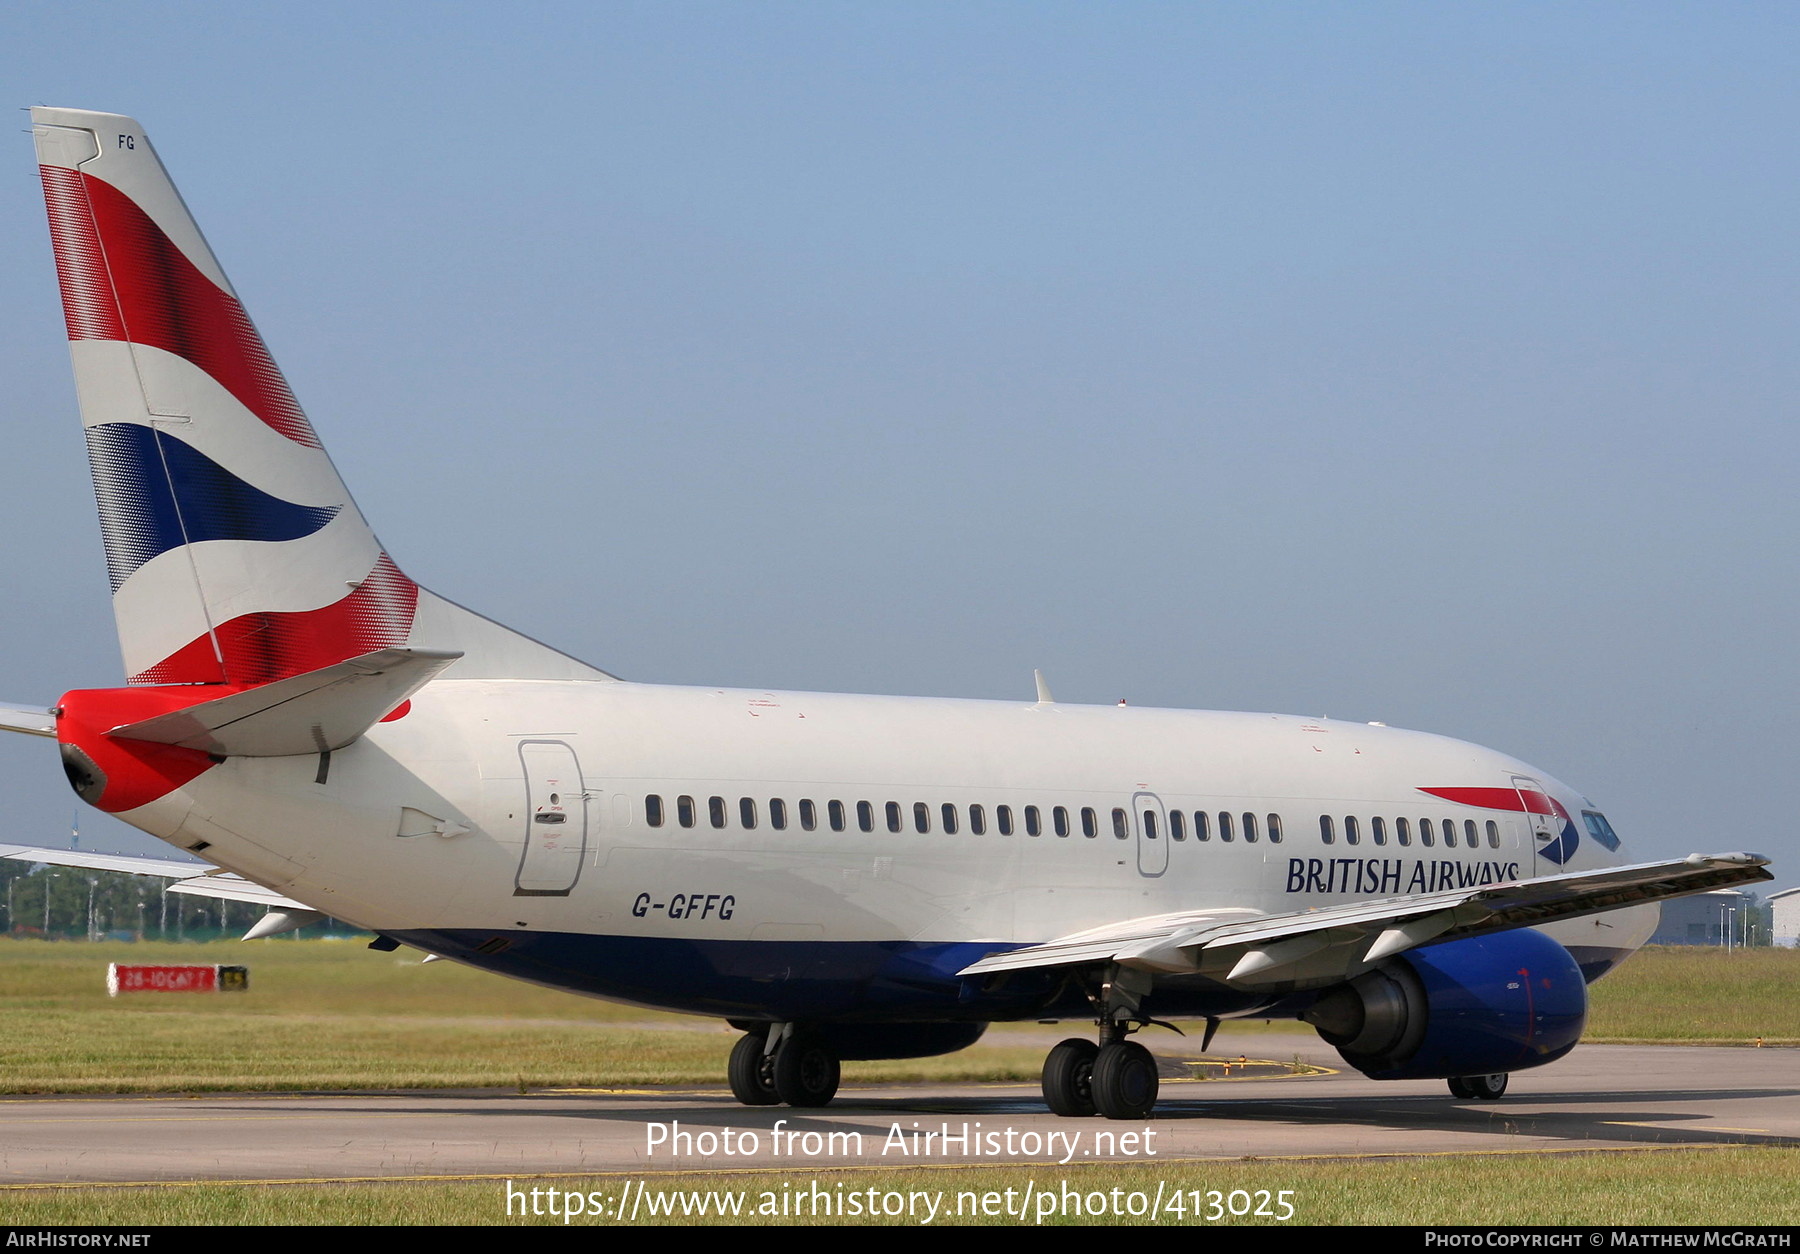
(1714, 1187)
(335, 1015)
(1691, 994)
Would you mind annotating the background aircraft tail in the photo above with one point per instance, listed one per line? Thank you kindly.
(235, 552)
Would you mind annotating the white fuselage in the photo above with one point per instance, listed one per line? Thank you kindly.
(648, 814)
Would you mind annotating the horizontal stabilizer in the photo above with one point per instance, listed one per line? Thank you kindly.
(28, 719)
(311, 713)
(1311, 948)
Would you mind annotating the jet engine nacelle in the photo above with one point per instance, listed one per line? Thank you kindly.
(1479, 1006)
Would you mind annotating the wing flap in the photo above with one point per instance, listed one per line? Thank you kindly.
(233, 888)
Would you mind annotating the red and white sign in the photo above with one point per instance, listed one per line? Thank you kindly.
(132, 978)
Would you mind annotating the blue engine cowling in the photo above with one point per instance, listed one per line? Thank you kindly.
(1479, 1006)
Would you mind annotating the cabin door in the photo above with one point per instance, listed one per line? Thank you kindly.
(556, 820)
(1151, 821)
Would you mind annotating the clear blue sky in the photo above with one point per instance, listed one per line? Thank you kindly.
(1425, 363)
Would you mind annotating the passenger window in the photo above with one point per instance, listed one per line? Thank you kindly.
(1033, 827)
(715, 810)
(1378, 831)
(1471, 837)
(1090, 824)
(977, 821)
(1449, 833)
(1425, 837)
(1493, 834)
(1202, 825)
(809, 816)
(1149, 816)
(893, 816)
(1061, 818)
(1122, 825)
(1274, 829)
(834, 814)
(1177, 825)
(1003, 819)
(747, 813)
(1249, 827)
(1224, 825)
(949, 819)
(921, 817)
(778, 815)
(1403, 832)
(1327, 836)
(1352, 831)
(653, 810)
(865, 816)
(684, 811)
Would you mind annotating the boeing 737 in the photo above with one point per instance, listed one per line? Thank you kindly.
(839, 877)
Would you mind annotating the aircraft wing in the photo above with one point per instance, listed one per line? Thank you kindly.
(1311, 948)
(199, 879)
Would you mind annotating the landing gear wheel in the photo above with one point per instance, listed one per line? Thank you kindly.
(806, 1073)
(1125, 1081)
(1069, 1078)
(1487, 1088)
(752, 1071)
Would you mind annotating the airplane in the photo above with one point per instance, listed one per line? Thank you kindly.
(838, 877)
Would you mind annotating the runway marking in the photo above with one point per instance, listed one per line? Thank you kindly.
(638, 1172)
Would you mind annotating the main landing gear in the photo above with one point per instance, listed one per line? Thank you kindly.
(783, 1064)
(1116, 1078)
(1486, 1088)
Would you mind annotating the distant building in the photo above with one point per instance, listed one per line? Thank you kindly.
(1706, 918)
(1785, 909)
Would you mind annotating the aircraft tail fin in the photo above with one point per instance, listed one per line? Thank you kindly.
(236, 554)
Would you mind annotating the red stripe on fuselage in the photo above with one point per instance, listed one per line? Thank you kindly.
(1495, 799)
(124, 279)
(261, 648)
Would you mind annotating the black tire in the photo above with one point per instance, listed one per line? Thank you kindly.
(1459, 1089)
(1069, 1078)
(806, 1073)
(752, 1071)
(1488, 1088)
(1125, 1081)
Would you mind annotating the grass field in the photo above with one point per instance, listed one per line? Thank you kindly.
(1722, 1187)
(335, 1015)
(1697, 995)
